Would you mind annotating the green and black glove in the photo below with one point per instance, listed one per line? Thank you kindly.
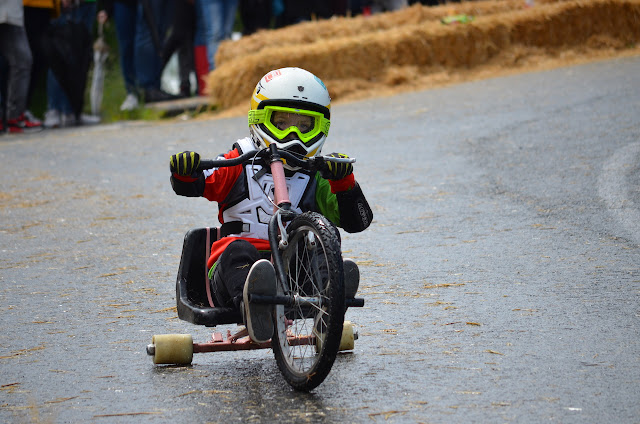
(184, 163)
(337, 170)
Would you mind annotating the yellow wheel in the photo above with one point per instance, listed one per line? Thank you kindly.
(348, 336)
(319, 340)
(171, 349)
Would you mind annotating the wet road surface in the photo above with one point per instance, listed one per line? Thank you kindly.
(501, 274)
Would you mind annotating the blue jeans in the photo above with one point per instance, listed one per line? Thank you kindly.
(217, 17)
(124, 16)
(56, 97)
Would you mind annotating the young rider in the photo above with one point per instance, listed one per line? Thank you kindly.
(290, 107)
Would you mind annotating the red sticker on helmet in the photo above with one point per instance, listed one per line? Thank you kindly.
(271, 75)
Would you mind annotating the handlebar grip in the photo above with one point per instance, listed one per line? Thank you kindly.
(220, 163)
(206, 164)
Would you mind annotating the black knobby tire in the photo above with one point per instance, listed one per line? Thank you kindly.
(307, 337)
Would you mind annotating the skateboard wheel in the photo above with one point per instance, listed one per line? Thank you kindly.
(171, 349)
(348, 336)
(319, 340)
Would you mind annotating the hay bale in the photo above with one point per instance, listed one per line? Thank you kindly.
(341, 27)
(351, 54)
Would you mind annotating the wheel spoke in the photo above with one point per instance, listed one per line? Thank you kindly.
(308, 332)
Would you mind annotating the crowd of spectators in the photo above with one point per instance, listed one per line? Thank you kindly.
(148, 32)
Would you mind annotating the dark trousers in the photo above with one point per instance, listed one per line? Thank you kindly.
(182, 33)
(231, 272)
(36, 20)
(255, 15)
(14, 46)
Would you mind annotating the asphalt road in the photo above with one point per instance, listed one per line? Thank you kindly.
(501, 273)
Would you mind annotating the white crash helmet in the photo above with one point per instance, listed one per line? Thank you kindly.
(298, 95)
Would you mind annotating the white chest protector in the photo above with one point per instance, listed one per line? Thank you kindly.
(255, 210)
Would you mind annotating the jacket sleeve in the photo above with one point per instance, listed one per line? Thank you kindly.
(355, 213)
(344, 204)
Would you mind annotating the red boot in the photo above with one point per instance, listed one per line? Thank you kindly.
(202, 67)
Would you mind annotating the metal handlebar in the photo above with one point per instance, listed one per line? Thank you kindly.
(311, 164)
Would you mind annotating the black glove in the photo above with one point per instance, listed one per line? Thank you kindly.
(184, 163)
(337, 170)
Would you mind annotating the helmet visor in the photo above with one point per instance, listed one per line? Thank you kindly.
(283, 121)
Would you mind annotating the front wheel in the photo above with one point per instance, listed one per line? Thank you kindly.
(307, 334)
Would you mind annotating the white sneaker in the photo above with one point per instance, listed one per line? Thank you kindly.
(89, 119)
(259, 317)
(31, 118)
(130, 102)
(52, 119)
(67, 120)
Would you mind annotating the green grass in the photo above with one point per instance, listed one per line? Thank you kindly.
(114, 90)
(114, 93)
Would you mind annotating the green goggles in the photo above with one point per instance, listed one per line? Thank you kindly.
(282, 121)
